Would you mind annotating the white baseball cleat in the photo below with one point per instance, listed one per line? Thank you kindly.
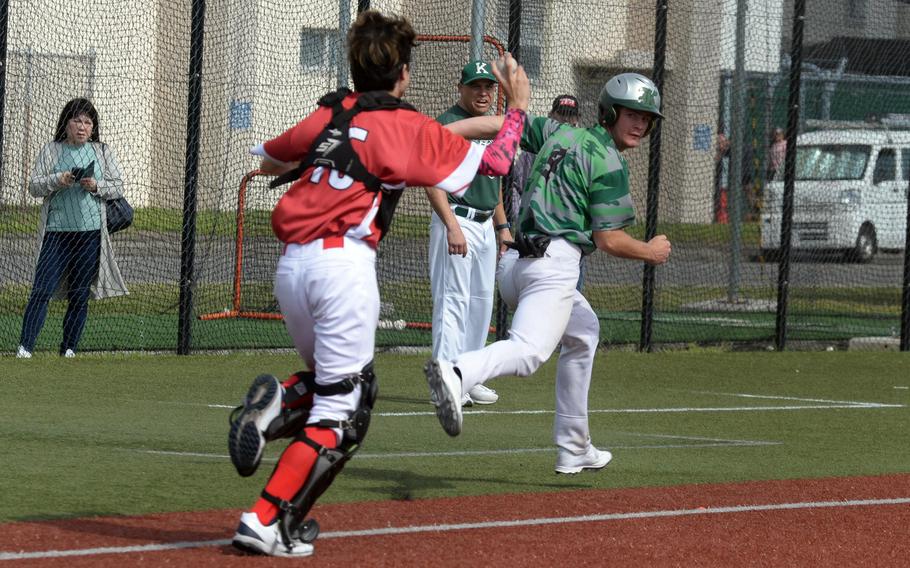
(69, 353)
(481, 394)
(261, 405)
(252, 536)
(23, 353)
(445, 391)
(567, 462)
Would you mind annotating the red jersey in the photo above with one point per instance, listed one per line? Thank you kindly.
(401, 147)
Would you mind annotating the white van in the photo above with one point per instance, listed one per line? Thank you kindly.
(850, 193)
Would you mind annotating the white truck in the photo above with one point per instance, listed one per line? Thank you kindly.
(850, 193)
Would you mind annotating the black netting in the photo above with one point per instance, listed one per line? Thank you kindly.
(265, 63)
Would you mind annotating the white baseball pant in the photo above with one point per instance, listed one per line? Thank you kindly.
(462, 287)
(548, 311)
(330, 302)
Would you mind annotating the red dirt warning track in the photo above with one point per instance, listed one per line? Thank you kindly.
(828, 525)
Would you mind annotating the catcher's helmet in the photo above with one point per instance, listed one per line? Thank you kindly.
(629, 90)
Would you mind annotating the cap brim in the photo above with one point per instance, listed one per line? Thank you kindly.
(478, 78)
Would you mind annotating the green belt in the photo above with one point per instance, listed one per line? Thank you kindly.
(472, 214)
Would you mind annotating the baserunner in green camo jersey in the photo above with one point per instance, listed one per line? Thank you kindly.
(576, 200)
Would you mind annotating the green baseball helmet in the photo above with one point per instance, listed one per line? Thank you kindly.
(629, 90)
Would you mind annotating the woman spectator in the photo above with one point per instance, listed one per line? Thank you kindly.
(74, 174)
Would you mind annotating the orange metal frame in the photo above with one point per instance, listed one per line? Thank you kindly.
(235, 311)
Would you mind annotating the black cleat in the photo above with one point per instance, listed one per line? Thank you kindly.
(248, 422)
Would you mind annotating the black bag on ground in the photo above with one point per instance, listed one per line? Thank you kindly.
(119, 214)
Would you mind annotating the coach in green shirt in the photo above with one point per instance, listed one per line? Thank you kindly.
(463, 242)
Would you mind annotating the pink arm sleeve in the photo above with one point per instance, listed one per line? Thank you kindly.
(497, 157)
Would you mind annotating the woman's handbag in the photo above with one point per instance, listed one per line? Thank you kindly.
(119, 210)
(119, 214)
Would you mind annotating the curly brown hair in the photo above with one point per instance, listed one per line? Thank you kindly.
(378, 48)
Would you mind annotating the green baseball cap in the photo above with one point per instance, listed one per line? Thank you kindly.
(475, 70)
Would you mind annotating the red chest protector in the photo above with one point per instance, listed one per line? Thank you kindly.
(332, 148)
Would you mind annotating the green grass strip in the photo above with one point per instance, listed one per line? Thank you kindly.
(127, 435)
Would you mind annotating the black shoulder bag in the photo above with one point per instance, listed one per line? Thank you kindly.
(119, 210)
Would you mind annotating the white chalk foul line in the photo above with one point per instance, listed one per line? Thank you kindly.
(707, 443)
(815, 404)
(386, 531)
(111, 550)
(848, 405)
(701, 442)
(696, 438)
(620, 517)
(791, 398)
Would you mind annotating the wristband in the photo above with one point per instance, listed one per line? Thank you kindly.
(503, 226)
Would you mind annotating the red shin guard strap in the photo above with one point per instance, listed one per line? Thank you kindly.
(293, 469)
(293, 400)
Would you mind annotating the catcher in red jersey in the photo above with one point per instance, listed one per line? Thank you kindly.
(348, 161)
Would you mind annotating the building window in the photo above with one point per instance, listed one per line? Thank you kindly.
(856, 12)
(533, 34)
(530, 59)
(319, 49)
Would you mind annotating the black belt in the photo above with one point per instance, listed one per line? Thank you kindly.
(471, 213)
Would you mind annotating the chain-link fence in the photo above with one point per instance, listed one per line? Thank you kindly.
(184, 89)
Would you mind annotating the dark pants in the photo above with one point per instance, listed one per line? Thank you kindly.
(71, 254)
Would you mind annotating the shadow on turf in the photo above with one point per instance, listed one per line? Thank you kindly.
(140, 529)
(406, 399)
(406, 482)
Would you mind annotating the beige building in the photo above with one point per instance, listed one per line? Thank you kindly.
(265, 64)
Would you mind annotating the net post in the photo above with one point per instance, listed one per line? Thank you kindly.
(786, 223)
(502, 312)
(194, 112)
(4, 42)
(648, 276)
(905, 294)
(478, 10)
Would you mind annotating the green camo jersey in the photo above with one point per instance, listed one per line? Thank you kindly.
(579, 183)
(483, 192)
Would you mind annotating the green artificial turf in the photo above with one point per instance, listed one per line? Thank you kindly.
(120, 434)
